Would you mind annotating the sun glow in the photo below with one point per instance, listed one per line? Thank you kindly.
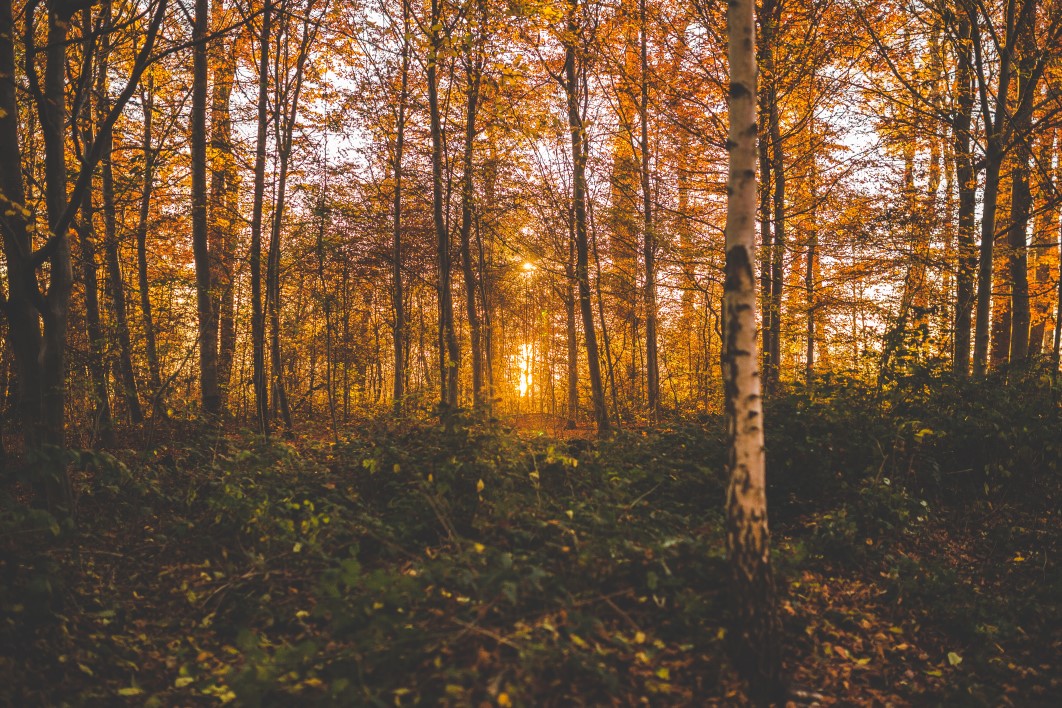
(523, 361)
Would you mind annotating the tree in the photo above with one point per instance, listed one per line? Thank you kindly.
(258, 375)
(449, 356)
(210, 392)
(582, 249)
(37, 317)
(756, 634)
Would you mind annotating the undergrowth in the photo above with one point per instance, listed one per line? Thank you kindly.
(469, 564)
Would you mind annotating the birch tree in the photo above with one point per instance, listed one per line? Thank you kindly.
(755, 636)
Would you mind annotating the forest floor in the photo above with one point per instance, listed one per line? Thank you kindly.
(489, 566)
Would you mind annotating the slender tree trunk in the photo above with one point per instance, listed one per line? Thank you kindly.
(778, 248)
(649, 244)
(569, 319)
(111, 246)
(82, 130)
(224, 201)
(258, 374)
(484, 296)
(396, 254)
(582, 266)
(996, 132)
(143, 281)
(756, 635)
(448, 351)
(766, 243)
(1058, 311)
(811, 274)
(967, 187)
(1021, 194)
(208, 333)
(467, 206)
(766, 147)
(287, 111)
(993, 164)
(103, 430)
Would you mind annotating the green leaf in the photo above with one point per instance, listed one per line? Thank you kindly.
(130, 691)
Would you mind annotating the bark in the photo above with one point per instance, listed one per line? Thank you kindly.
(582, 266)
(993, 164)
(756, 635)
(224, 203)
(649, 242)
(570, 330)
(258, 373)
(287, 111)
(55, 315)
(103, 428)
(766, 244)
(143, 281)
(111, 246)
(966, 187)
(208, 332)
(396, 252)
(467, 186)
(448, 351)
(23, 291)
(779, 246)
(1021, 194)
(772, 198)
(82, 129)
(999, 128)
(811, 273)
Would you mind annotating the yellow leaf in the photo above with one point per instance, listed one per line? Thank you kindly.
(480, 486)
(639, 638)
(479, 547)
(504, 701)
(663, 673)
(130, 691)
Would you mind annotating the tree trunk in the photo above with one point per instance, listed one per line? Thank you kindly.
(811, 274)
(448, 351)
(115, 285)
(103, 428)
(24, 330)
(475, 335)
(966, 181)
(396, 255)
(993, 164)
(649, 243)
(82, 130)
(258, 373)
(224, 202)
(772, 187)
(208, 331)
(766, 244)
(778, 248)
(756, 635)
(582, 258)
(1021, 193)
(569, 321)
(143, 281)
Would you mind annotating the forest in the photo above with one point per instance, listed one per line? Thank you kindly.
(454, 352)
